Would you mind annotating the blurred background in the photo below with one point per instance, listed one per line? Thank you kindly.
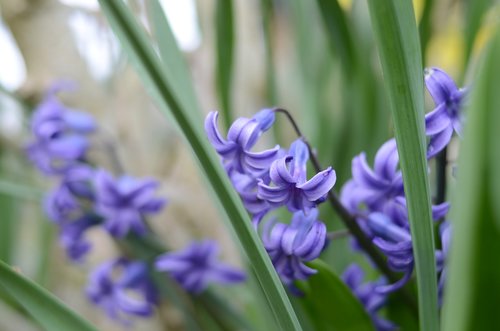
(282, 55)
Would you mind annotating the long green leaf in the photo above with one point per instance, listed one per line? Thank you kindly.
(399, 49)
(135, 43)
(330, 303)
(473, 286)
(173, 60)
(224, 23)
(473, 15)
(45, 308)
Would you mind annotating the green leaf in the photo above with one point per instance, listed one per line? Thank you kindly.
(398, 43)
(331, 304)
(173, 60)
(224, 24)
(473, 286)
(339, 32)
(19, 191)
(474, 12)
(45, 308)
(136, 44)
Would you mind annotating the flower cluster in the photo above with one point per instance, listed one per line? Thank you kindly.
(377, 198)
(88, 197)
(271, 179)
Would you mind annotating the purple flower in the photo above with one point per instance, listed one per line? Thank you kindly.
(123, 202)
(242, 136)
(247, 188)
(122, 288)
(60, 136)
(381, 189)
(289, 246)
(395, 242)
(366, 293)
(61, 206)
(72, 239)
(195, 266)
(447, 116)
(288, 174)
(377, 188)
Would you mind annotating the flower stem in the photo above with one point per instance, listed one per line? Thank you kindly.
(441, 160)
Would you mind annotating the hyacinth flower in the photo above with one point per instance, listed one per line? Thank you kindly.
(242, 136)
(447, 116)
(291, 245)
(289, 185)
(247, 187)
(122, 289)
(366, 293)
(381, 189)
(395, 242)
(72, 236)
(60, 135)
(123, 202)
(196, 266)
(376, 188)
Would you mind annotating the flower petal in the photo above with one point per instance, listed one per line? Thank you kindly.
(318, 186)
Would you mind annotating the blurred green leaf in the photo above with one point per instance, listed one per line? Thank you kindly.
(140, 51)
(398, 43)
(45, 308)
(331, 304)
(425, 26)
(473, 288)
(224, 25)
(173, 60)
(19, 191)
(474, 11)
(339, 32)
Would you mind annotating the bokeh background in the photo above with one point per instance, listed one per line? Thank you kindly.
(282, 56)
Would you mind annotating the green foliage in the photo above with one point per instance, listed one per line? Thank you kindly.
(46, 310)
(140, 51)
(473, 289)
(331, 304)
(224, 26)
(396, 34)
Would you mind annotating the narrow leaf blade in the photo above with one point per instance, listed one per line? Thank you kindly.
(136, 44)
(398, 43)
(45, 308)
(473, 288)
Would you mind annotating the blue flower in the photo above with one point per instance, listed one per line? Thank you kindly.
(247, 187)
(60, 136)
(377, 188)
(447, 116)
(122, 289)
(290, 245)
(395, 242)
(124, 201)
(367, 294)
(290, 187)
(381, 189)
(195, 266)
(72, 236)
(242, 136)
